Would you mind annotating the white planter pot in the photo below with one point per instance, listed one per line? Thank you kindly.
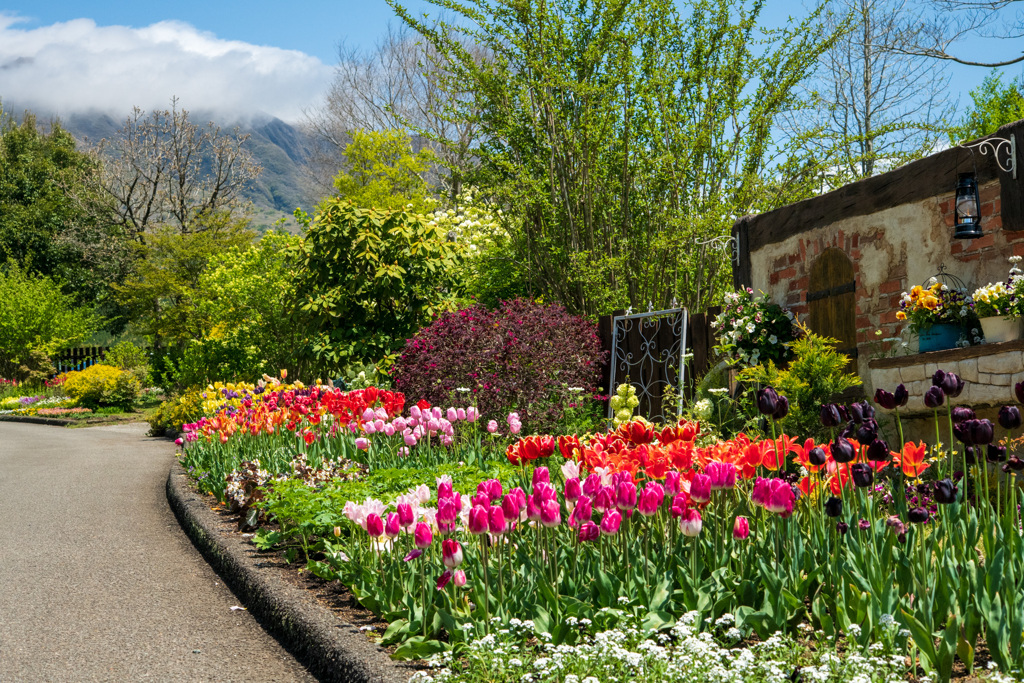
(998, 329)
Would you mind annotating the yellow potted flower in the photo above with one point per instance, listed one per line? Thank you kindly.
(1000, 306)
(939, 315)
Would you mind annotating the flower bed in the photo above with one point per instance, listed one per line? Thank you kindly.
(462, 529)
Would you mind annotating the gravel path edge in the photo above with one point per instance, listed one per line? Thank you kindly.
(332, 650)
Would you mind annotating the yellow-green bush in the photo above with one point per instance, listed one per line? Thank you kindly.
(103, 385)
(170, 415)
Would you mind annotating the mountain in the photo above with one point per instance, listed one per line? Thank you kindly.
(279, 147)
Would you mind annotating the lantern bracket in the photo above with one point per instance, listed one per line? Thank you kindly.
(998, 146)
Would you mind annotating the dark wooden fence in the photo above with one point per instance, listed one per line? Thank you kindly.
(79, 358)
(700, 339)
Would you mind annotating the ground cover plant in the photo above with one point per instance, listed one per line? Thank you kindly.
(460, 526)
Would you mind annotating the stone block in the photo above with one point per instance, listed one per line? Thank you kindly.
(986, 394)
(930, 368)
(912, 373)
(1000, 380)
(886, 378)
(969, 369)
(1006, 363)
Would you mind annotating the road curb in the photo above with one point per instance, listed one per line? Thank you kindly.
(32, 419)
(334, 651)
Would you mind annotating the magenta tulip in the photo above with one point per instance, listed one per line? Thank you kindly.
(589, 532)
(722, 474)
(374, 525)
(406, 516)
(362, 443)
(605, 499)
(550, 514)
(444, 579)
(541, 476)
(611, 522)
(392, 527)
(422, 537)
(700, 488)
(583, 512)
(648, 503)
(761, 492)
(496, 523)
(741, 529)
(672, 483)
(573, 490)
(451, 553)
(625, 496)
(690, 522)
(478, 520)
(532, 511)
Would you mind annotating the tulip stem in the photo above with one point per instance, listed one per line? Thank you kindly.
(487, 586)
(423, 590)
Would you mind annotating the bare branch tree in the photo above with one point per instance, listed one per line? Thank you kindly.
(162, 169)
(941, 26)
(877, 108)
(397, 85)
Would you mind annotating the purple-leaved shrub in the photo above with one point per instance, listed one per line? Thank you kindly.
(534, 359)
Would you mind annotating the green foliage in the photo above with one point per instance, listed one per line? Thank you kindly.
(103, 385)
(383, 172)
(995, 105)
(129, 357)
(816, 373)
(623, 133)
(36, 322)
(367, 280)
(172, 414)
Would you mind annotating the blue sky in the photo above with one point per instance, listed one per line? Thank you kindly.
(273, 56)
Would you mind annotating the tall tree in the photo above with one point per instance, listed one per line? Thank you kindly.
(941, 29)
(995, 105)
(622, 138)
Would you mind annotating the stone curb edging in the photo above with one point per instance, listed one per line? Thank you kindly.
(32, 419)
(332, 650)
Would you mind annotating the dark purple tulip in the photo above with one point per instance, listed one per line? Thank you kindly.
(767, 401)
(962, 413)
(878, 451)
(862, 474)
(982, 431)
(864, 525)
(857, 412)
(962, 431)
(901, 395)
(1016, 464)
(867, 410)
(1009, 417)
(933, 398)
(867, 432)
(972, 455)
(844, 413)
(781, 409)
(842, 527)
(842, 451)
(834, 506)
(829, 415)
(817, 456)
(942, 379)
(945, 492)
(959, 387)
(1018, 390)
(918, 515)
(996, 453)
(885, 399)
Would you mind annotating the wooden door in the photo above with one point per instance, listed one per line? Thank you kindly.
(832, 302)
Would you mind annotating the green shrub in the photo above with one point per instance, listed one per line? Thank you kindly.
(129, 357)
(103, 385)
(168, 418)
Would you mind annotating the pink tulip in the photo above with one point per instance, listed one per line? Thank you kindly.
(445, 490)
(451, 553)
(583, 512)
(446, 511)
(406, 516)
(700, 488)
(690, 522)
(723, 475)
(403, 452)
(532, 511)
(515, 427)
(672, 483)
(658, 491)
(679, 505)
(478, 520)
(381, 413)
(573, 491)
(544, 492)
(761, 492)
(496, 523)
(781, 499)
(378, 425)
(520, 496)
(410, 440)
(416, 412)
(648, 503)
(589, 532)
(392, 527)
(592, 485)
(625, 496)
(492, 426)
(178, 441)
(370, 428)
(368, 415)
(452, 414)
(605, 499)
(460, 414)
(541, 476)
(741, 529)
(480, 499)
(494, 489)
(422, 537)
(550, 514)
(472, 415)
(362, 444)
(389, 429)
(611, 522)
(374, 525)
(459, 578)
(510, 506)
(444, 579)
(437, 412)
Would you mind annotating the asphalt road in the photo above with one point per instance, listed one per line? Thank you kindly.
(97, 580)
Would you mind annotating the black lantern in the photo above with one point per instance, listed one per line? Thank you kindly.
(968, 208)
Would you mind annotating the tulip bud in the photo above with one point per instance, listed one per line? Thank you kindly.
(817, 456)
(690, 523)
(573, 490)
(767, 401)
(446, 511)
(842, 451)
(885, 399)
(478, 517)
(337, 531)
(834, 506)
(445, 490)
(541, 476)
(532, 511)
(945, 492)
(741, 529)
(857, 412)
(1018, 391)
(648, 503)
(610, 522)
(971, 455)
(862, 474)
(672, 482)
(589, 532)
(510, 506)
(761, 492)
(830, 415)
(179, 441)
(374, 525)
(878, 451)
(625, 496)
(481, 499)
(982, 431)
(722, 474)
(962, 414)
(406, 516)
(781, 409)
(1009, 417)
(422, 537)
(842, 527)
(867, 432)
(901, 395)
(996, 453)
(496, 522)
(459, 578)
(918, 515)
(700, 488)
(933, 398)
(362, 443)
(550, 514)
(452, 414)
(451, 553)
(392, 527)
(492, 426)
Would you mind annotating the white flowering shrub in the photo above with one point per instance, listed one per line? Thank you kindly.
(752, 330)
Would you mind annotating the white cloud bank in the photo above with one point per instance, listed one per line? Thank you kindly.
(76, 65)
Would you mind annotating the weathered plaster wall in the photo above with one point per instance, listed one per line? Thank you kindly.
(891, 250)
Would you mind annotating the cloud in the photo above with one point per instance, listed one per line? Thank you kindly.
(76, 66)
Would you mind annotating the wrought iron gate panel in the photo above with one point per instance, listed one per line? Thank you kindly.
(648, 352)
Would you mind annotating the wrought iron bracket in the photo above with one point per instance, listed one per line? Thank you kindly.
(998, 146)
(726, 242)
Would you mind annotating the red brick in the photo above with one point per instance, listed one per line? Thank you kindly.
(987, 209)
(982, 242)
(989, 193)
(863, 321)
(773, 279)
(890, 286)
(787, 273)
(780, 263)
(889, 317)
(800, 283)
(855, 242)
(957, 247)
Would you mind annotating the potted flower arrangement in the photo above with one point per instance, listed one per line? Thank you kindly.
(939, 315)
(1000, 306)
(753, 329)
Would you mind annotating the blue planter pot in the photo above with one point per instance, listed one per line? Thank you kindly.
(938, 338)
